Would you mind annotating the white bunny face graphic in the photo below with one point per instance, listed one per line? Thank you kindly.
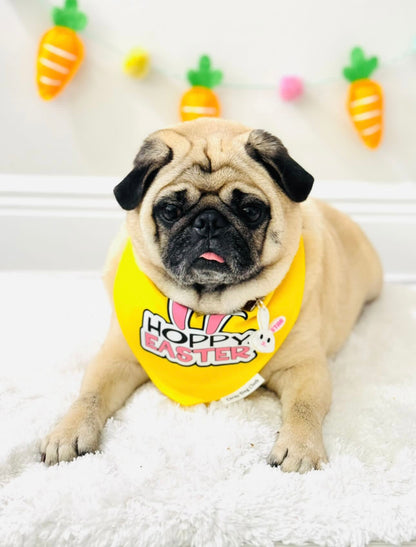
(263, 340)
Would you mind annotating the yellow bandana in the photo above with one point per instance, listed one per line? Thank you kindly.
(194, 358)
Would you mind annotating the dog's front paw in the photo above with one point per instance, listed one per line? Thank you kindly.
(298, 451)
(75, 435)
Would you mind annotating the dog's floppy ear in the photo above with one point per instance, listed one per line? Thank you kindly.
(269, 151)
(152, 156)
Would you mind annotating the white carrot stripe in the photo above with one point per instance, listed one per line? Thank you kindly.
(54, 66)
(49, 81)
(61, 52)
(367, 115)
(199, 109)
(365, 100)
(371, 130)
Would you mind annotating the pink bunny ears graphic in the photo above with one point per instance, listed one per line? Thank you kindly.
(263, 318)
(181, 315)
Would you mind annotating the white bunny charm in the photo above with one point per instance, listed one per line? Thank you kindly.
(262, 340)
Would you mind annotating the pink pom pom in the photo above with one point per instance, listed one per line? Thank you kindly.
(290, 88)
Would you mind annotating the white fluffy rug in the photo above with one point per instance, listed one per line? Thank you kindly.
(171, 476)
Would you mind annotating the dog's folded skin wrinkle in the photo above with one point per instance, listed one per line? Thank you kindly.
(249, 180)
(207, 168)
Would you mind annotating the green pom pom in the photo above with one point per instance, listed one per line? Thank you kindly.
(204, 76)
(360, 66)
(69, 16)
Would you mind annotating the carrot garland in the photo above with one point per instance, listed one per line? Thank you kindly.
(365, 99)
(60, 50)
(200, 100)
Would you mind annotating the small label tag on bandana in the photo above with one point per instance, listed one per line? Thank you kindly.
(244, 390)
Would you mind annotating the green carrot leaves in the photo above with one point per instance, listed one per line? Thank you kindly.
(204, 76)
(69, 16)
(360, 66)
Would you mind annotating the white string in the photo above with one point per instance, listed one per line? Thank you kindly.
(264, 86)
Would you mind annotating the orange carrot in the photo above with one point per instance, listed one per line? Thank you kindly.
(365, 99)
(60, 50)
(200, 100)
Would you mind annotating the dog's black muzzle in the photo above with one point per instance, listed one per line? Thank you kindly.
(209, 223)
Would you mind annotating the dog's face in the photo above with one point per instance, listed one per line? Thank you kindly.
(211, 205)
(210, 239)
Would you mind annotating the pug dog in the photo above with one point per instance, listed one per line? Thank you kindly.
(215, 215)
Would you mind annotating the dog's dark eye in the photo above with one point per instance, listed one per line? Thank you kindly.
(252, 212)
(170, 212)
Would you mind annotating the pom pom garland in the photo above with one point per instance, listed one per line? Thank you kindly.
(137, 63)
(290, 88)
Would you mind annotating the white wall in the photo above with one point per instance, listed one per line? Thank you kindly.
(67, 222)
(97, 124)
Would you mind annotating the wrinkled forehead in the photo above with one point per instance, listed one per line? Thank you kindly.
(207, 162)
(210, 149)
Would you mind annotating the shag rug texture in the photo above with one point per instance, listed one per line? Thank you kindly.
(172, 476)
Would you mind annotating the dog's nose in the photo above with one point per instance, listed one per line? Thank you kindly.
(209, 223)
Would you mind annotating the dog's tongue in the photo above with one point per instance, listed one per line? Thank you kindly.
(212, 256)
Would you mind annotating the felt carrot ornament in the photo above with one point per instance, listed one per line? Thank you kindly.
(200, 100)
(365, 99)
(60, 50)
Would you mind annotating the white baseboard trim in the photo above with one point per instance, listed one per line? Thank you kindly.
(402, 279)
(67, 223)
